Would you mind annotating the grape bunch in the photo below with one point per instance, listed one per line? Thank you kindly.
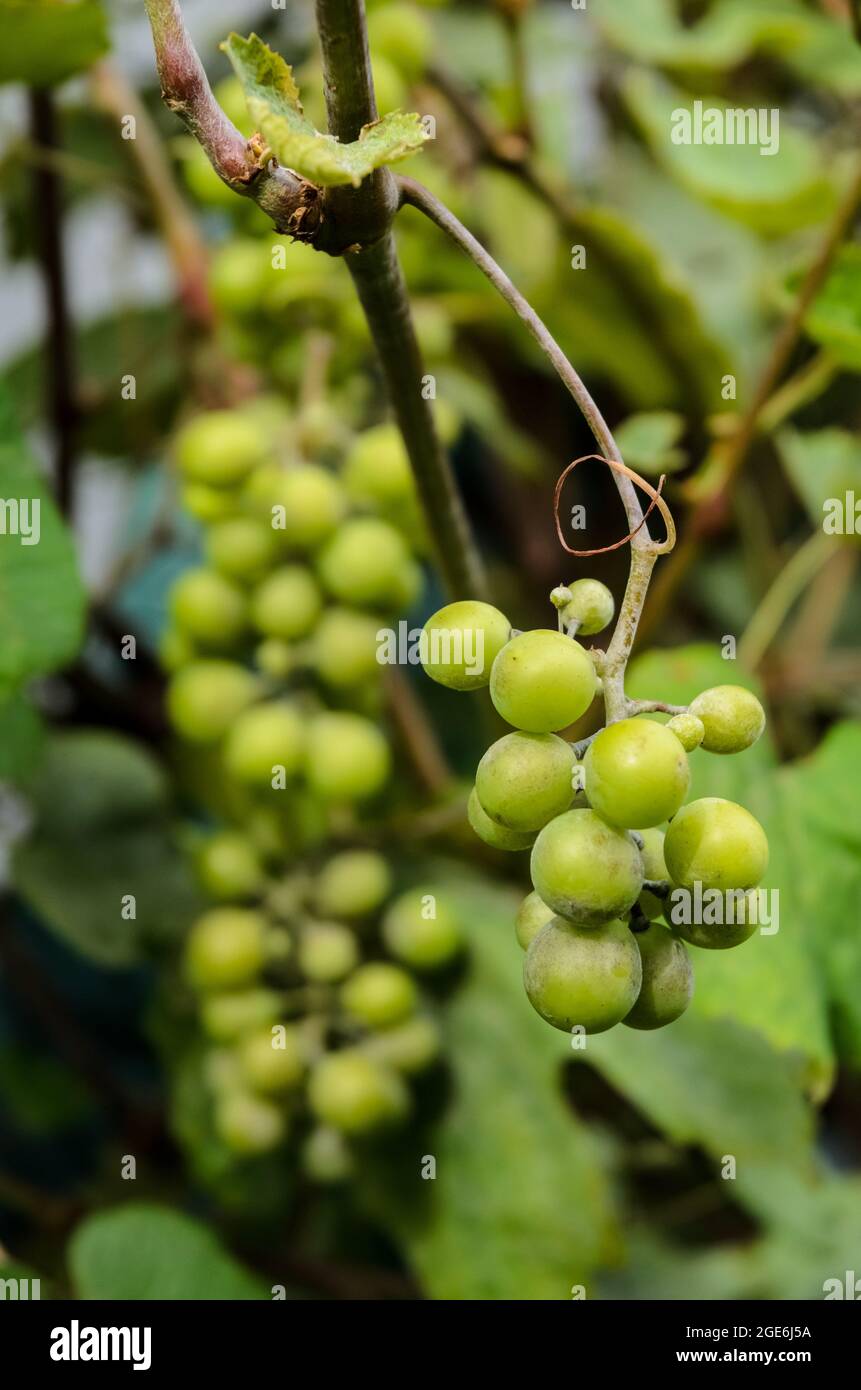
(602, 942)
(304, 967)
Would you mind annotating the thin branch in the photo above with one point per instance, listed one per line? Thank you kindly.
(417, 734)
(655, 707)
(788, 586)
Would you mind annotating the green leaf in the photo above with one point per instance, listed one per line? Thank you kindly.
(822, 465)
(42, 600)
(273, 103)
(145, 1251)
(773, 193)
(46, 41)
(102, 833)
(475, 1231)
(647, 442)
(40, 1095)
(834, 318)
(21, 738)
(728, 35)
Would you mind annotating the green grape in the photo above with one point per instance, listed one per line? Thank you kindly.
(287, 604)
(524, 780)
(654, 868)
(379, 995)
(220, 448)
(462, 642)
(354, 883)
(389, 87)
(717, 935)
(272, 1060)
(409, 1047)
(347, 757)
(591, 606)
(263, 739)
(226, 1017)
(434, 328)
(229, 866)
(732, 717)
(242, 548)
(637, 773)
(226, 948)
(248, 1124)
(491, 832)
(542, 681)
(202, 180)
(328, 952)
(230, 95)
(668, 980)
(377, 470)
(308, 504)
(343, 648)
(326, 1157)
(532, 915)
(354, 1094)
(585, 869)
(208, 608)
(206, 697)
(175, 649)
(367, 564)
(274, 658)
(583, 977)
(422, 930)
(221, 1071)
(239, 275)
(688, 729)
(403, 35)
(716, 843)
(209, 504)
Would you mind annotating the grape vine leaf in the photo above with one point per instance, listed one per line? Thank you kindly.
(822, 465)
(146, 1251)
(834, 318)
(273, 103)
(42, 599)
(472, 1233)
(46, 41)
(727, 35)
(647, 442)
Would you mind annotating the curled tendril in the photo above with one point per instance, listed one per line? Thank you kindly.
(659, 547)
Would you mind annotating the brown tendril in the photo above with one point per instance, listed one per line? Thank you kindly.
(657, 501)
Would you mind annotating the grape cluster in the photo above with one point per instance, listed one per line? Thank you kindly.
(304, 967)
(602, 942)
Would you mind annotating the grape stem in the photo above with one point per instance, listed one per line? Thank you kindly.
(654, 707)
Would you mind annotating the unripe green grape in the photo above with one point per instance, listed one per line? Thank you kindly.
(403, 35)
(390, 89)
(239, 274)
(524, 780)
(242, 548)
(347, 758)
(637, 773)
(591, 606)
(201, 178)
(320, 427)
(328, 952)
(229, 866)
(274, 658)
(353, 883)
(287, 604)
(263, 739)
(248, 1124)
(542, 681)
(409, 586)
(230, 95)
(379, 995)
(326, 1157)
(206, 697)
(343, 648)
(314, 506)
(668, 980)
(688, 729)
(226, 1017)
(715, 935)
(175, 649)
(221, 1071)
(367, 564)
(491, 832)
(585, 869)
(409, 1047)
(208, 608)
(377, 469)
(461, 643)
(655, 869)
(716, 843)
(421, 929)
(220, 448)
(272, 1060)
(532, 914)
(226, 948)
(578, 976)
(354, 1094)
(733, 718)
(209, 504)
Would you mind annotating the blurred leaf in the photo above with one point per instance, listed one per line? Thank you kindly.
(275, 108)
(46, 41)
(822, 465)
(22, 735)
(834, 318)
(477, 1231)
(726, 36)
(146, 1251)
(102, 833)
(647, 442)
(42, 600)
(773, 193)
(38, 1094)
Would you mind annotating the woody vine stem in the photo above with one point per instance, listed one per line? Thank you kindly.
(357, 224)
